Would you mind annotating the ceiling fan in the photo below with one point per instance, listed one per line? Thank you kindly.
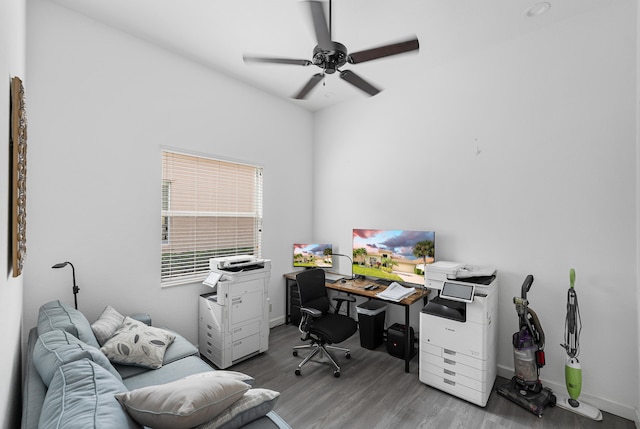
(329, 56)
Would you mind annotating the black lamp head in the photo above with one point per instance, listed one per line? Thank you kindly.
(61, 265)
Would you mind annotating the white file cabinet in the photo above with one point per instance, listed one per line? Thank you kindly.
(233, 321)
(459, 356)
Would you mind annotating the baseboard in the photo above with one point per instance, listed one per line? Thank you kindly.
(603, 404)
(276, 322)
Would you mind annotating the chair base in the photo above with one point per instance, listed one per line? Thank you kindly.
(322, 349)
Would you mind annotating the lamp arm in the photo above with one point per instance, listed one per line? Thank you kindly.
(350, 260)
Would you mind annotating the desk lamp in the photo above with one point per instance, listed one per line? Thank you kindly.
(350, 260)
(75, 286)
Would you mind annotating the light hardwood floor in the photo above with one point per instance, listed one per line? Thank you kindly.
(375, 392)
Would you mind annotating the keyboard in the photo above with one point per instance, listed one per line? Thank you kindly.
(332, 278)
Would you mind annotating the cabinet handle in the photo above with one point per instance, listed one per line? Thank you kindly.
(235, 331)
(453, 383)
(449, 362)
(237, 344)
(209, 327)
(209, 335)
(237, 300)
(446, 371)
(449, 352)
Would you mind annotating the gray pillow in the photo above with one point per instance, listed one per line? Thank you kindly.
(81, 395)
(56, 348)
(182, 403)
(255, 403)
(107, 324)
(135, 343)
(58, 315)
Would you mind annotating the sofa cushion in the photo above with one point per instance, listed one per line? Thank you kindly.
(183, 403)
(107, 324)
(175, 371)
(254, 404)
(135, 343)
(58, 315)
(55, 348)
(81, 395)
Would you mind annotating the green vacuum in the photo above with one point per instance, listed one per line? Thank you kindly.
(572, 369)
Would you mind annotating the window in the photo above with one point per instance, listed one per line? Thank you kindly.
(210, 208)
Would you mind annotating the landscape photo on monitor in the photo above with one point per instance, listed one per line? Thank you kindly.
(395, 255)
(312, 255)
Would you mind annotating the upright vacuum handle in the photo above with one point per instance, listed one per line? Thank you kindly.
(528, 281)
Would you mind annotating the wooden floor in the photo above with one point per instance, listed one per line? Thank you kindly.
(375, 392)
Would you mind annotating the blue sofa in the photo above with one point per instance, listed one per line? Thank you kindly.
(55, 373)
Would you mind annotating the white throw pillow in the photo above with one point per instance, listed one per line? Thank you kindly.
(136, 343)
(254, 404)
(184, 403)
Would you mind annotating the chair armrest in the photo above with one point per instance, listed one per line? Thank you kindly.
(311, 312)
(343, 298)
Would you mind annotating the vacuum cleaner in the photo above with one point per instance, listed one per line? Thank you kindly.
(525, 388)
(572, 369)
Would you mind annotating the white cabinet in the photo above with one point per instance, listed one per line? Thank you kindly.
(459, 356)
(234, 321)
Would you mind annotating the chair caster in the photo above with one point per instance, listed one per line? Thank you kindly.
(348, 355)
(298, 372)
(336, 374)
(295, 353)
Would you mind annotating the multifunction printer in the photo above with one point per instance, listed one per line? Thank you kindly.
(234, 319)
(458, 328)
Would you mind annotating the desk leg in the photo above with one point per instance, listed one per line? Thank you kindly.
(287, 291)
(407, 340)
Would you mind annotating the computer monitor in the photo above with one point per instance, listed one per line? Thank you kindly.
(393, 255)
(312, 255)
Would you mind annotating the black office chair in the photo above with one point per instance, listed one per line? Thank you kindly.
(317, 324)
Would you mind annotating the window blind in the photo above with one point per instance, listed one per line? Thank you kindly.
(210, 208)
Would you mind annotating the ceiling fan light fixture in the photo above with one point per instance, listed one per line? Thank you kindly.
(538, 9)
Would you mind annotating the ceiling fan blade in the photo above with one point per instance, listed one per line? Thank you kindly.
(320, 25)
(358, 82)
(384, 51)
(315, 79)
(292, 61)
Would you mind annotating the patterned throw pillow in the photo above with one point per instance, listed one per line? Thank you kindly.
(135, 343)
(107, 324)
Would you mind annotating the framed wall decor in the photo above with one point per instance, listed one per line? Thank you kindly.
(18, 188)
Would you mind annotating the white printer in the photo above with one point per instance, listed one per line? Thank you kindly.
(234, 318)
(458, 329)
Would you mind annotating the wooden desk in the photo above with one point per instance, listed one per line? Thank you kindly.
(356, 287)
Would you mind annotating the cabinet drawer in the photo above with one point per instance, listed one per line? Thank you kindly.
(457, 389)
(454, 376)
(429, 360)
(453, 355)
(244, 347)
(240, 332)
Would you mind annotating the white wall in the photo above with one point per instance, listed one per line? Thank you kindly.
(637, 417)
(12, 63)
(521, 156)
(102, 105)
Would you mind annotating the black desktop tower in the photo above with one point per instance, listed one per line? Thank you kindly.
(396, 335)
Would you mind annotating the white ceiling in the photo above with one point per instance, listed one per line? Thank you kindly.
(216, 33)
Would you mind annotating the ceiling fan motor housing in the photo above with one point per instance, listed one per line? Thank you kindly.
(330, 59)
